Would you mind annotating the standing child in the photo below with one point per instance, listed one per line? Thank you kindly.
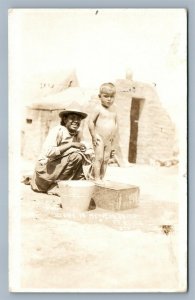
(103, 127)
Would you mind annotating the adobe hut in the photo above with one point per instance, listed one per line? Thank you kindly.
(146, 133)
(42, 115)
(47, 83)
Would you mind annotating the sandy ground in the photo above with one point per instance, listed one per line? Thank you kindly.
(103, 250)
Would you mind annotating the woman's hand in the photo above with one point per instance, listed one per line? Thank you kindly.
(78, 145)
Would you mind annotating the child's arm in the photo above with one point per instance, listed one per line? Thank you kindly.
(116, 125)
(114, 141)
(115, 130)
(91, 125)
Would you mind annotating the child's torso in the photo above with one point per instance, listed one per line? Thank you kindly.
(105, 124)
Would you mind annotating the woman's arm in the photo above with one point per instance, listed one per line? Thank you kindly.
(62, 148)
(53, 145)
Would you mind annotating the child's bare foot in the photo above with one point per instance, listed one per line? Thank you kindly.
(98, 181)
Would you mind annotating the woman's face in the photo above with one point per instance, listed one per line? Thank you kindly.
(72, 122)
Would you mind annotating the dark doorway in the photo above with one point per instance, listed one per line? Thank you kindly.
(134, 123)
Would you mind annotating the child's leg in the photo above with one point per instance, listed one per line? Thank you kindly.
(107, 150)
(99, 151)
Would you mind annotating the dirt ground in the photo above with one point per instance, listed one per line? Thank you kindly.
(103, 250)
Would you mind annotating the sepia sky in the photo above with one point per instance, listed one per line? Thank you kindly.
(101, 45)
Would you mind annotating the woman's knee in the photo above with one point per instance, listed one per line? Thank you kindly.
(77, 157)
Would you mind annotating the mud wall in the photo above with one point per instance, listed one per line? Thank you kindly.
(156, 131)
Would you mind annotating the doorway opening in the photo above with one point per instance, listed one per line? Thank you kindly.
(136, 107)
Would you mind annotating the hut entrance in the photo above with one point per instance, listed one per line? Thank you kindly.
(134, 123)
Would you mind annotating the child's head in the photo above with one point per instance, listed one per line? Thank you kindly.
(107, 94)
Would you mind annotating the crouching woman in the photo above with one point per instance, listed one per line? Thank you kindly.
(63, 154)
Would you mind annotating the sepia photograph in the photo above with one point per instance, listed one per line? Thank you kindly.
(97, 150)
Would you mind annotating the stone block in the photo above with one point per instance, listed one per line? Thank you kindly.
(116, 196)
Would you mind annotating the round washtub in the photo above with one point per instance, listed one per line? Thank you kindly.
(75, 194)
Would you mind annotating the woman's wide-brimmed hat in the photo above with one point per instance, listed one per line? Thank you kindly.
(73, 109)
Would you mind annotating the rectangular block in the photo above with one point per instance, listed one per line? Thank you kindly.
(116, 196)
